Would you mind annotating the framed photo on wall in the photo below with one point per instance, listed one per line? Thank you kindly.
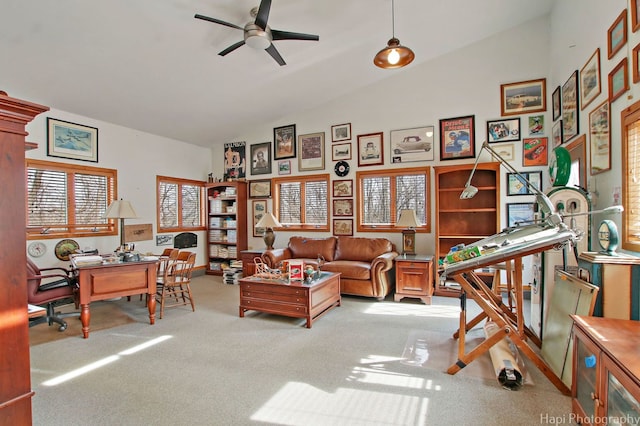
(261, 158)
(284, 142)
(370, 151)
(535, 151)
(518, 213)
(556, 103)
(617, 34)
(570, 115)
(343, 227)
(343, 188)
(341, 132)
(311, 155)
(590, 80)
(635, 63)
(618, 80)
(516, 185)
(556, 133)
(72, 141)
(343, 207)
(457, 138)
(505, 130)
(635, 15)
(523, 97)
(284, 167)
(260, 188)
(506, 150)
(341, 151)
(600, 139)
(409, 145)
(258, 209)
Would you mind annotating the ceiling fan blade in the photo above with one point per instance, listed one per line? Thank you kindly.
(217, 21)
(231, 48)
(275, 54)
(286, 35)
(263, 14)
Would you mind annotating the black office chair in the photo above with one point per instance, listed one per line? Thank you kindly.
(56, 287)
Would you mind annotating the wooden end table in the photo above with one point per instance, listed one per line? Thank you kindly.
(414, 277)
(297, 299)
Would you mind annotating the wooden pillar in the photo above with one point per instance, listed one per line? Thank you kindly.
(15, 369)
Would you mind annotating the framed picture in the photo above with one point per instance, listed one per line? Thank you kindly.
(516, 185)
(343, 188)
(535, 151)
(556, 133)
(590, 80)
(578, 153)
(284, 142)
(457, 138)
(635, 17)
(503, 130)
(341, 151)
(235, 166)
(258, 209)
(284, 167)
(343, 227)
(261, 158)
(523, 97)
(72, 141)
(370, 151)
(164, 240)
(311, 151)
(507, 151)
(409, 145)
(617, 34)
(600, 139)
(570, 116)
(536, 125)
(341, 132)
(260, 188)
(555, 99)
(635, 63)
(519, 213)
(618, 80)
(343, 207)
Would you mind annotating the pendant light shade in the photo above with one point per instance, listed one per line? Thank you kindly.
(394, 55)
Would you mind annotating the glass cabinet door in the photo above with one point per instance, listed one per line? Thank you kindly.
(585, 376)
(622, 396)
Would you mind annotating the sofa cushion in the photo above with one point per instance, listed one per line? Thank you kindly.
(362, 249)
(304, 247)
(349, 269)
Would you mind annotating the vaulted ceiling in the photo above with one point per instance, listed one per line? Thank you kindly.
(149, 65)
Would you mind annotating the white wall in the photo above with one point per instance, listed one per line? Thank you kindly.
(139, 157)
(465, 82)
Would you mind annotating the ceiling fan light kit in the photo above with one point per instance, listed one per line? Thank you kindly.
(258, 35)
(394, 55)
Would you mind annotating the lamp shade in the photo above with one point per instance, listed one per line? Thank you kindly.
(120, 209)
(408, 219)
(394, 55)
(268, 220)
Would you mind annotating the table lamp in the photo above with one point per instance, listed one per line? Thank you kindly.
(409, 220)
(120, 209)
(268, 221)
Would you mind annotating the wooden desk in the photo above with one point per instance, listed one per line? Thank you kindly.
(510, 320)
(109, 281)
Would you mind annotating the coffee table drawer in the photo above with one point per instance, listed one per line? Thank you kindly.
(275, 296)
(275, 289)
(275, 307)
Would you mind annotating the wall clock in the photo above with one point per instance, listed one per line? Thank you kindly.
(560, 166)
(608, 237)
(36, 249)
(341, 168)
(66, 247)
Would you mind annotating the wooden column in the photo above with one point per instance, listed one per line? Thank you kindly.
(15, 369)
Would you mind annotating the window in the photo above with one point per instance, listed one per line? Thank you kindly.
(180, 206)
(64, 200)
(302, 202)
(631, 178)
(383, 193)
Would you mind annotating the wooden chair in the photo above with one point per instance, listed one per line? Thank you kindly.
(174, 289)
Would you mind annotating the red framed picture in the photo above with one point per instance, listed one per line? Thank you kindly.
(535, 151)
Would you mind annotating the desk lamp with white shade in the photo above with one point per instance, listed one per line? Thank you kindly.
(121, 209)
(409, 220)
(268, 221)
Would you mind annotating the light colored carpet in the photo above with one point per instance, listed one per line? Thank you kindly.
(211, 367)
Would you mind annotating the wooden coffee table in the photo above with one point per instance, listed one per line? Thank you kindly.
(297, 299)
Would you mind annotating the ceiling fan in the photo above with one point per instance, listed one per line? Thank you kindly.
(258, 35)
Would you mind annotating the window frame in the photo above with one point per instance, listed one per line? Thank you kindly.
(66, 230)
(302, 179)
(180, 182)
(393, 173)
(629, 116)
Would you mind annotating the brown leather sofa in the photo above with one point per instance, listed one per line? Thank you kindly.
(365, 264)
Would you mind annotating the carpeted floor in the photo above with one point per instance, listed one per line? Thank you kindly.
(210, 367)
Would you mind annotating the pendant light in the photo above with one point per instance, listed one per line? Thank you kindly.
(394, 55)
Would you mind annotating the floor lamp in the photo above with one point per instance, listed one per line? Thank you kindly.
(120, 209)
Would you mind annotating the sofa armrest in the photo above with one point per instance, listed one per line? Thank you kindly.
(273, 257)
(380, 279)
(384, 262)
